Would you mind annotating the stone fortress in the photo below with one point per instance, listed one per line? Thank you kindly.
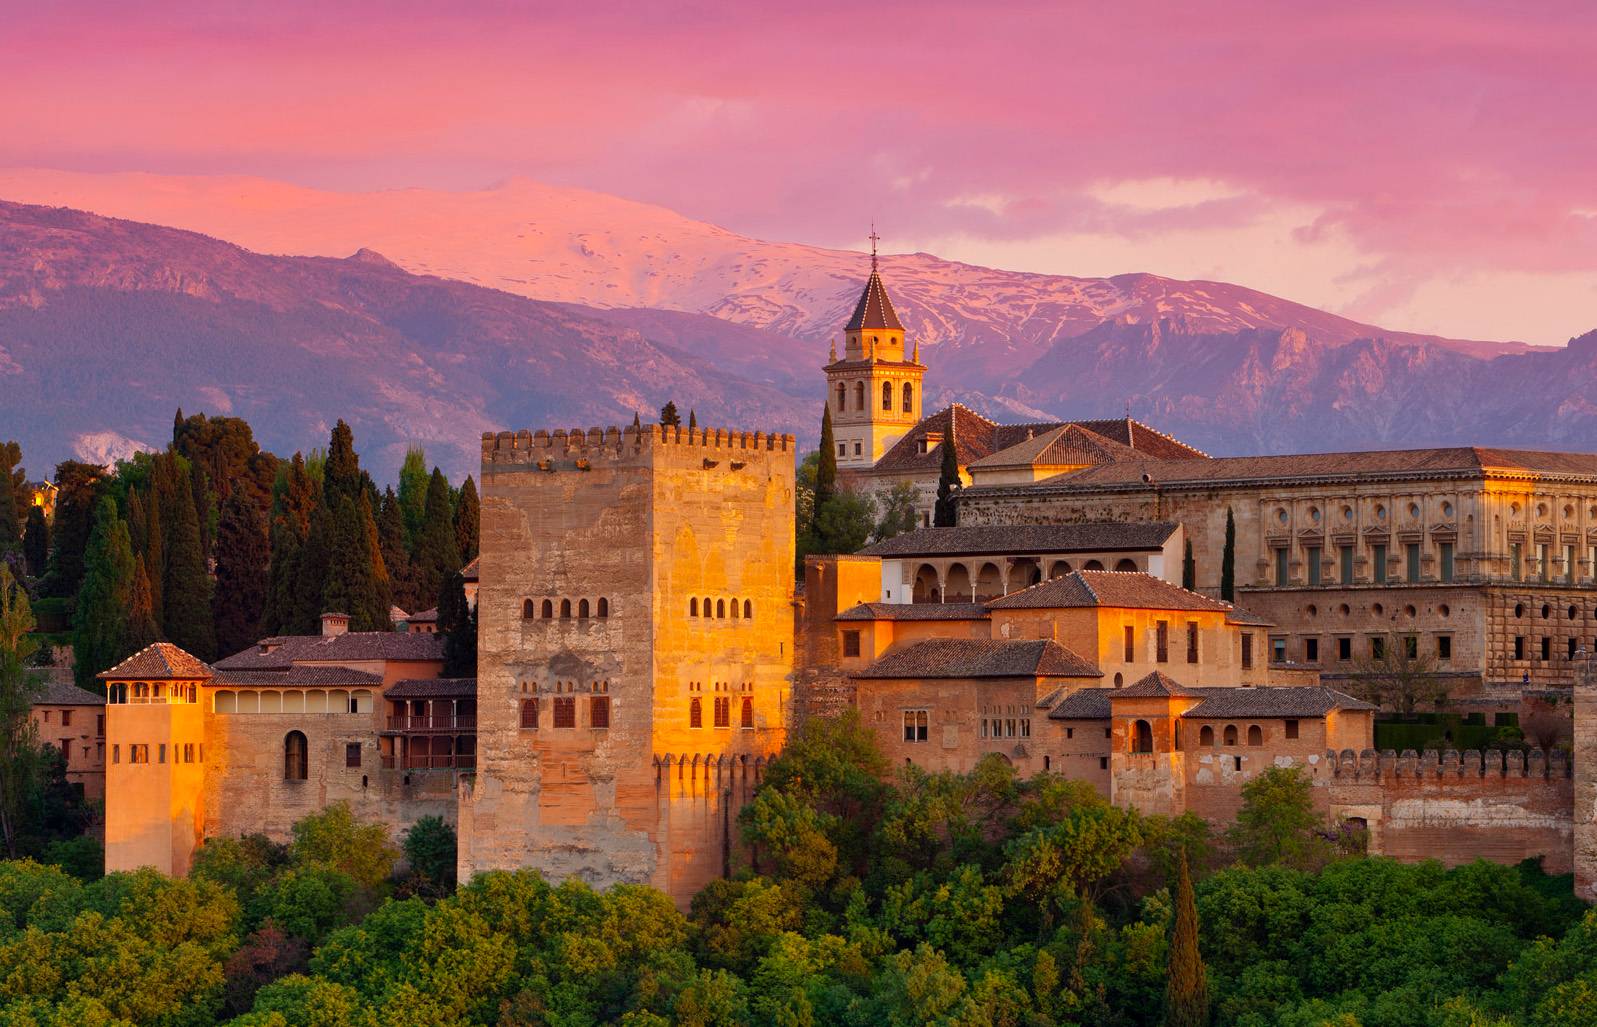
(644, 649)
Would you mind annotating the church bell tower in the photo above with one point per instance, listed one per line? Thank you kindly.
(874, 390)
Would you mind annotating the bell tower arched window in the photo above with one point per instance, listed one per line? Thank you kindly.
(859, 395)
(842, 397)
(909, 398)
(887, 396)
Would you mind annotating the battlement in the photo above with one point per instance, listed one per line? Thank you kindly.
(526, 447)
(1449, 765)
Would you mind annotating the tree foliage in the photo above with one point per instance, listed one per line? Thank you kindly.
(948, 483)
(1228, 560)
(100, 632)
(896, 510)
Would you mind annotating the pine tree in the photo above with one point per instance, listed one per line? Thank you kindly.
(467, 515)
(1189, 568)
(826, 467)
(36, 542)
(413, 493)
(436, 556)
(11, 503)
(186, 617)
(693, 419)
(243, 560)
(458, 623)
(100, 618)
(1186, 987)
(943, 515)
(669, 417)
(391, 544)
(1228, 560)
(141, 628)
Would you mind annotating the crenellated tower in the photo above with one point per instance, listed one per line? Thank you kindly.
(874, 390)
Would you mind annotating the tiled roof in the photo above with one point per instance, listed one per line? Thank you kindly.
(976, 437)
(981, 658)
(64, 693)
(432, 688)
(874, 309)
(915, 611)
(976, 540)
(1274, 701)
(309, 677)
(353, 646)
(1083, 704)
(1114, 589)
(469, 572)
(162, 661)
(1240, 616)
(424, 617)
(1157, 685)
(1069, 445)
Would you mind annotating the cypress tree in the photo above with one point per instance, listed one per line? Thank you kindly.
(311, 569)
(79, 486)
(458, 623)
(100, 619)
(693, 419)
(1228, 560)
(826, 469)
(138, 521)
(11, 503)
(352, 585)
(669, 416)
(36, 542)
(243, 561)
(637, 421)
(203, 506)
(468, 512)
(141, 629)
(341, 476)
(155, 550)
(382, 599)
(1186, 986)
(413, 492)
(396, 558)
(186, 617)
(943, 515)
(436, 556)
(293, 497)
(1189, 568)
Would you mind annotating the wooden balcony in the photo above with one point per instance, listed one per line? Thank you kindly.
(447, 723)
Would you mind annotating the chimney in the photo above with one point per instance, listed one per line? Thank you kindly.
(334, 624)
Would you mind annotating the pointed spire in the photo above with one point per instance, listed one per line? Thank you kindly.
(874, 240)
(874, 309)
(832, 356)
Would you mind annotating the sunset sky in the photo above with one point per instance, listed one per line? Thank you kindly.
(1425, 166)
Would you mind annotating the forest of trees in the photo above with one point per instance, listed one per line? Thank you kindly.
(214, 543)
(862, 899)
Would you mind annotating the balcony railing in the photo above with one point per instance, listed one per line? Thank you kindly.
(458, 761)
(435, 722)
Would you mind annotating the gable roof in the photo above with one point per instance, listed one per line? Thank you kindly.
(352, 646)
(65, 693)
(1274, 701)
(981, 658)
(1069, 445)
(433, 688)
(1131, 590)
(914, 611)
(161, 661)
(1004, 539)
(1084, 704)
(1158, 685)
(311, 676)
(874, 309)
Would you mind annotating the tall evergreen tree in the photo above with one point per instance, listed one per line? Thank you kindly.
(11, 502)
(1186, 984)
(352, 586)
(1189, 568)
(383, 596)
(413, 479)
(668, 415)
(100, 617)
(142, 628)
(436, 555)
(693, 419)
(203, 506)
(396, 558)
(1228, 560)
(155, 550)
(243, 560)
(293, 500)
(20, 763)
(468, 513)
(138, 521)
(341, 477)
(458, 623)
(637, 420)
(311, 569)
(36, 542)
(186, 592)
(78, 487)
(826, 467)
(943, 515)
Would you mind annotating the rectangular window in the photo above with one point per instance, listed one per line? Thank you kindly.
(1544, 561)
(66, 718)
(188, 752)
(138, 753)
(1344, 649)
(1103, 763)
(1445, 552)
(856, 449)
(1569, 576)
(1291, 729)
(599, 711)
(1009, 728)
(1411, 646)
(1025, 727)
(351, 754)
(695, 714)
(1192, 641)
(529, 714)
(916, 724)
(1516, 560)
(1247, 650)
(1547, 648)
(1444, 647)
(1281, 568)
(1378, 572)
(565, 711)
(1278, 650)
(1519, 647)
(851, 643)
(160, 750)
(99, 725)
(116, 754)
(1571, 653)
(47, 714)
(1411, 556)
(1162, 641)
(1377, 648)
(1070, 732)
(1311, 650)
(842, 449)
(1346, 556)
(1312, 555)
(723, 711)
(1131, 644)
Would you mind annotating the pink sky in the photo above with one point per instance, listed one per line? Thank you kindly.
(1428, 166)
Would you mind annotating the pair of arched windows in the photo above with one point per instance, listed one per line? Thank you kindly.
(720, 609)
(909, 397)
(723, 712)
(583, 609)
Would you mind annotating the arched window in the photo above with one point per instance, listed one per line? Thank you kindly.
(1126, 565)
(707, 607)
(1141, 737)
(548, 608)
(909, 398)
(859, 395)
(1230, 734)
(296, 757)
(734, 609)
(1059, 569)
(582, 608)
(526, 609)
(604, 607)
(887, 396)
(747, 721)
(1092, 565)
(693, 606)
(1255, 735)
(695, 713)
(748, 610)
(720, 609)
(842, 397)
(1206, 736)
(565, 609)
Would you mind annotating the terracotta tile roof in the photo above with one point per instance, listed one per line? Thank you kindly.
(915, 611)
(308, 677)
(874, 309)
(433, 688)
(1157, 685)
(424, 617)
(1273, 701)
(1240, 616)
(1069, 445)
(1084, 704)
(981, 658)
(162, 661)
(1130, 590)
(64, 693)
(353, 646)
(978, 540)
